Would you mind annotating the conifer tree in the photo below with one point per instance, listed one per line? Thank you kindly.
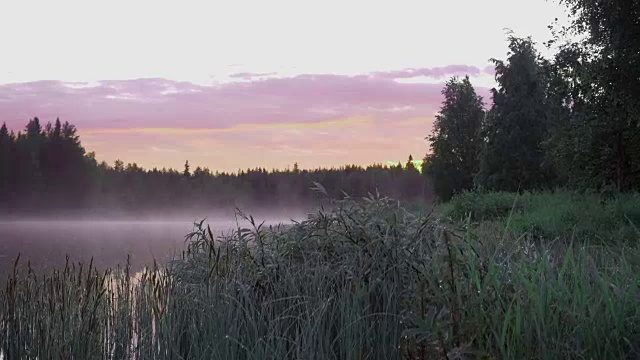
(455, 140)
(186, 172)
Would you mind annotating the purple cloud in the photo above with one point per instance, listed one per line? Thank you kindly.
(248, 75)
(436, 72)
(318, 120)
(143, 103)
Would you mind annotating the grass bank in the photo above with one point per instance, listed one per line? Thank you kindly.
(560, 215)
(364, 280)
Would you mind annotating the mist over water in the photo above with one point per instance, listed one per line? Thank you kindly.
(46, 242)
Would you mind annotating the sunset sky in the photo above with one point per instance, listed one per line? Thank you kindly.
(238, 84)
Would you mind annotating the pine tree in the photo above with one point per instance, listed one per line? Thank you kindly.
(410, 166)
(118, 165)
(6, 147)
(54, 163)
(31, 175)
(186, 172)
(455, 140)
(57, 130)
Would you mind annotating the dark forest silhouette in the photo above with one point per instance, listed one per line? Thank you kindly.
(46, 168)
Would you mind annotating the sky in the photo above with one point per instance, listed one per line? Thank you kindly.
(242, 84)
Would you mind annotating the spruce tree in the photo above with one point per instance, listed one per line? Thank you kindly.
(455, 139)
(6, 146)
(186, 172)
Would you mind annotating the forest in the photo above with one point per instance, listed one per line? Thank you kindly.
(46, 168)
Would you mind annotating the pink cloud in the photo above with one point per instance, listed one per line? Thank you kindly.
(436, 72)
(164, 103)
(490, 69)
(248, 75)
(304, 112)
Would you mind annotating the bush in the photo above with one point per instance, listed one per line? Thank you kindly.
(558, 215)
(483, 206)
(585, 217)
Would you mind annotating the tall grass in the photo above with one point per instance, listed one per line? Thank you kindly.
(559, 215)
(365, 280)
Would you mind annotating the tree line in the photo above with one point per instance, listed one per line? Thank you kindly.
(571, 121)
(46, 168)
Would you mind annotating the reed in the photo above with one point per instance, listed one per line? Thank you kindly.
(364, 280)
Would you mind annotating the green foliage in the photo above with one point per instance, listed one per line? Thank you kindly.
(560, 215)
(580, 217)
(483, 206)
(572, 121)
(515, 127)
(365, 280)
(598, 141)
(455, 141)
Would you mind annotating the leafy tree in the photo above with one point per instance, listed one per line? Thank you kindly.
(574, 142)
(604, 69)
(513, 156)
(455, 140)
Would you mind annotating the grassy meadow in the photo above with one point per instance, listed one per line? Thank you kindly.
(484, 276)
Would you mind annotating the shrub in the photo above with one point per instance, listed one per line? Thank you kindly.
(483, 206)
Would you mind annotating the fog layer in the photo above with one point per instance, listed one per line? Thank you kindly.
(45, 241)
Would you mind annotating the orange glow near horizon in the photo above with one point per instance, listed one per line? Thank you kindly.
(330, 143)
(238, 128)
(321, 120)
(228, 88)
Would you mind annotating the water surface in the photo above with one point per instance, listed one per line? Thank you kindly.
(47, 243)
